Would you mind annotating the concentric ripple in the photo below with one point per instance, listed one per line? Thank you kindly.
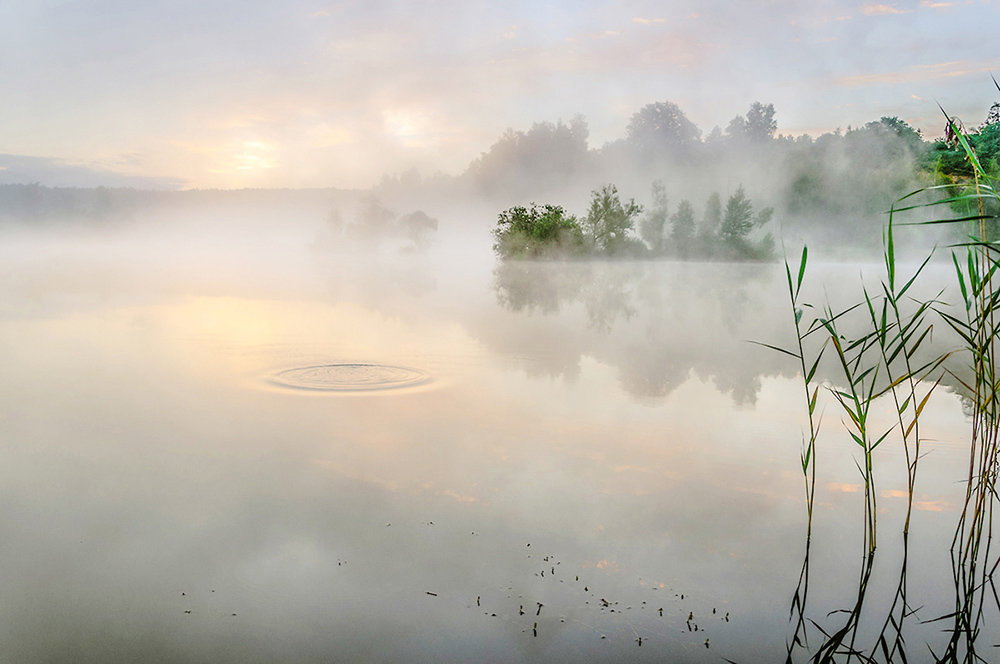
(350, 377)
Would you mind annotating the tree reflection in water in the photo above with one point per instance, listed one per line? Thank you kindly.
(657, 323)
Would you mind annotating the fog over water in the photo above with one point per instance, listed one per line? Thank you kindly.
(588, 443)
(341, 331)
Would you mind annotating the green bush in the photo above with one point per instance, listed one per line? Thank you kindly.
(536, 232)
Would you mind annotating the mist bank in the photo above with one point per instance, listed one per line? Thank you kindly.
(833, 190)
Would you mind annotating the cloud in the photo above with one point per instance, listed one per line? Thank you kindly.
(915, 73)
(923, 504)
(648, 21)
(21, 169)
(927, 4)
(881, 10)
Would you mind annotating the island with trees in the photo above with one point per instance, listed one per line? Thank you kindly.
(612, 228)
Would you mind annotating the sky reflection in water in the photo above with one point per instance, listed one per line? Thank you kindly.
(588, 432)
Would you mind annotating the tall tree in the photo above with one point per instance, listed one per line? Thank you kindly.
(737, 128)
(661, 127)
(712, 217)
(758, 126)
(530, 162)
(652, 226)
(609, 221)
(761, 124)
(738, 220)
(709, 229)
(682, 228)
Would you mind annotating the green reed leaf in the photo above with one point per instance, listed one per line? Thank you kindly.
(802, 270)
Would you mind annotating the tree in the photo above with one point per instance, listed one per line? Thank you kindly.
(417, 226)
(536, 232)
(761, 124)
(737, 224)
(758, 126)
(738, 220)
(682, 228)
(529, 162)
(661, 127)
(893, 136)
(374, 222)
(710, 222)
(993, 115)
(608, 221)
(651, 228)
(987, 144)
(737, 128)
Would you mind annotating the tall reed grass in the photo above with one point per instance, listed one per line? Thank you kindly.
(890, 359)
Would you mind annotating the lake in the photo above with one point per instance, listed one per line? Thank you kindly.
(260, 447)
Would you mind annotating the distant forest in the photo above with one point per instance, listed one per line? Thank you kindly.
(676, 183)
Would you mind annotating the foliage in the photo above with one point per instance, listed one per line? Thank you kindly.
(758, 126)
(609, 221)
(375, 225)
(652, 226)
(992, 116)
(815, 184)
(737, 225)
(537, 231)
(738, 220)
(682, 228)
(850, 176)
(661, 127)
(950, 161)
(608, 229)
(531, 162)
(417, 226)
(34, 202)
(710, 222)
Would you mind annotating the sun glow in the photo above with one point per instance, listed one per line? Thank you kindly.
(409, 127)
(255, 155)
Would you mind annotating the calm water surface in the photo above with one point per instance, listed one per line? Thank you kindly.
(593, 455)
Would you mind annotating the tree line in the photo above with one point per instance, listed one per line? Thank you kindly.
(816, 186)
(549, 154)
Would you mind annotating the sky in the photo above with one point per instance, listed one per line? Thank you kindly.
(319, 93)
